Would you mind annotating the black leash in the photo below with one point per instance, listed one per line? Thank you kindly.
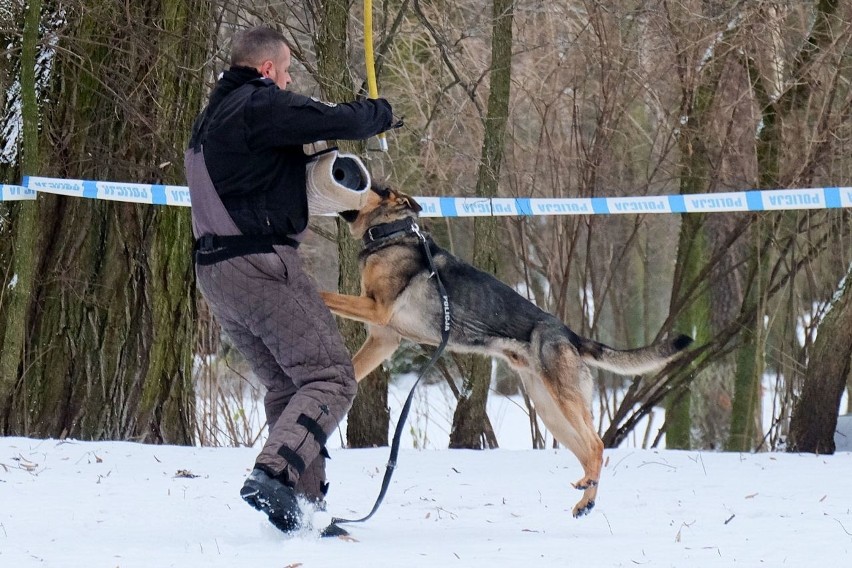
(403, 415)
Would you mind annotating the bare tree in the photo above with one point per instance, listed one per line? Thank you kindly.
(469, 421)
(814, 418)
(97, 339)
(606, 98)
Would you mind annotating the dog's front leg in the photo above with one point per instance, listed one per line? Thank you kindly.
(380, 344)
(360, 308)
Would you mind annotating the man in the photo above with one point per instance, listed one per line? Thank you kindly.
(246, 173)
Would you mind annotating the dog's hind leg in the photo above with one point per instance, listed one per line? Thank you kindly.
(381, 343)
(568, 416)
(588, 448)
(577, 433)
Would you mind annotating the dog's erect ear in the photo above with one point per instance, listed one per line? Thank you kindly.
(349, 216)
(380, 190)
(385, 192)
(411, 203)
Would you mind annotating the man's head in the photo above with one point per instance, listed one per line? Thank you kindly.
(265, 50)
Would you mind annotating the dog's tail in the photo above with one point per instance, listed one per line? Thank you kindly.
(633, 361)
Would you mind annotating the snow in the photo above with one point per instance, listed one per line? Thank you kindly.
(80, 504)
(843, 433)
(70, 504)
(10, 125)
(121, 504)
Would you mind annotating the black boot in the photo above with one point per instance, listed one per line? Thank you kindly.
(277, 500)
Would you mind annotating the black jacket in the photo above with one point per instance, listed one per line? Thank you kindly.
(252, 134)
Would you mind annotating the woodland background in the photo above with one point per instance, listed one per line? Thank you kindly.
(103, 336)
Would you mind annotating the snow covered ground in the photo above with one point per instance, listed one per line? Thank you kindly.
(118, 504)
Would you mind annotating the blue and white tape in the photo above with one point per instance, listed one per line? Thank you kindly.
(112, 191)
(15, 193)
(756, 200)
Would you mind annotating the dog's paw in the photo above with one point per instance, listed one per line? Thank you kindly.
(583, 508)
(584, 484)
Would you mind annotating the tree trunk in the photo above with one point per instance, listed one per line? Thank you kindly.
(367, 423)
(746, 416)
(107, 335)
(469, 420)
(745, 412)
(746, 429)
(814, 417)
(691, 258)
(690, 295)
(369, 417)
(20, 250)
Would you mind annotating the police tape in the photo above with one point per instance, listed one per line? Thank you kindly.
(753, 200)
(152, 194)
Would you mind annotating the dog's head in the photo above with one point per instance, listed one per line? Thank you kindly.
(384, 205)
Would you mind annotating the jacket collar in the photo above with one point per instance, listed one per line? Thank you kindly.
(234, 78)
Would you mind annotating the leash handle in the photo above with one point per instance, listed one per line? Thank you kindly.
(403, 415)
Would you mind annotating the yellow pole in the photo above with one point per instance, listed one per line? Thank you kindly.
(370, 60)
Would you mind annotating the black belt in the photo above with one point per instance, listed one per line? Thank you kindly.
(211, 249)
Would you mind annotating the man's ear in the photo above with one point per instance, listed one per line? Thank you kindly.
(266, 67)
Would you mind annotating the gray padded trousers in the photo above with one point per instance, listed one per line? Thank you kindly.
(272, 312)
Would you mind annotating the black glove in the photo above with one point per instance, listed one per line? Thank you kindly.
(395, 121)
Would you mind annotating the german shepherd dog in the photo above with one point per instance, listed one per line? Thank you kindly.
(399, 299)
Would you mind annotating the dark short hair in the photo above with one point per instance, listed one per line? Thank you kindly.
(253, 46)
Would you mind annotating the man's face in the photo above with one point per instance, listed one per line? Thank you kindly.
(279, 69)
